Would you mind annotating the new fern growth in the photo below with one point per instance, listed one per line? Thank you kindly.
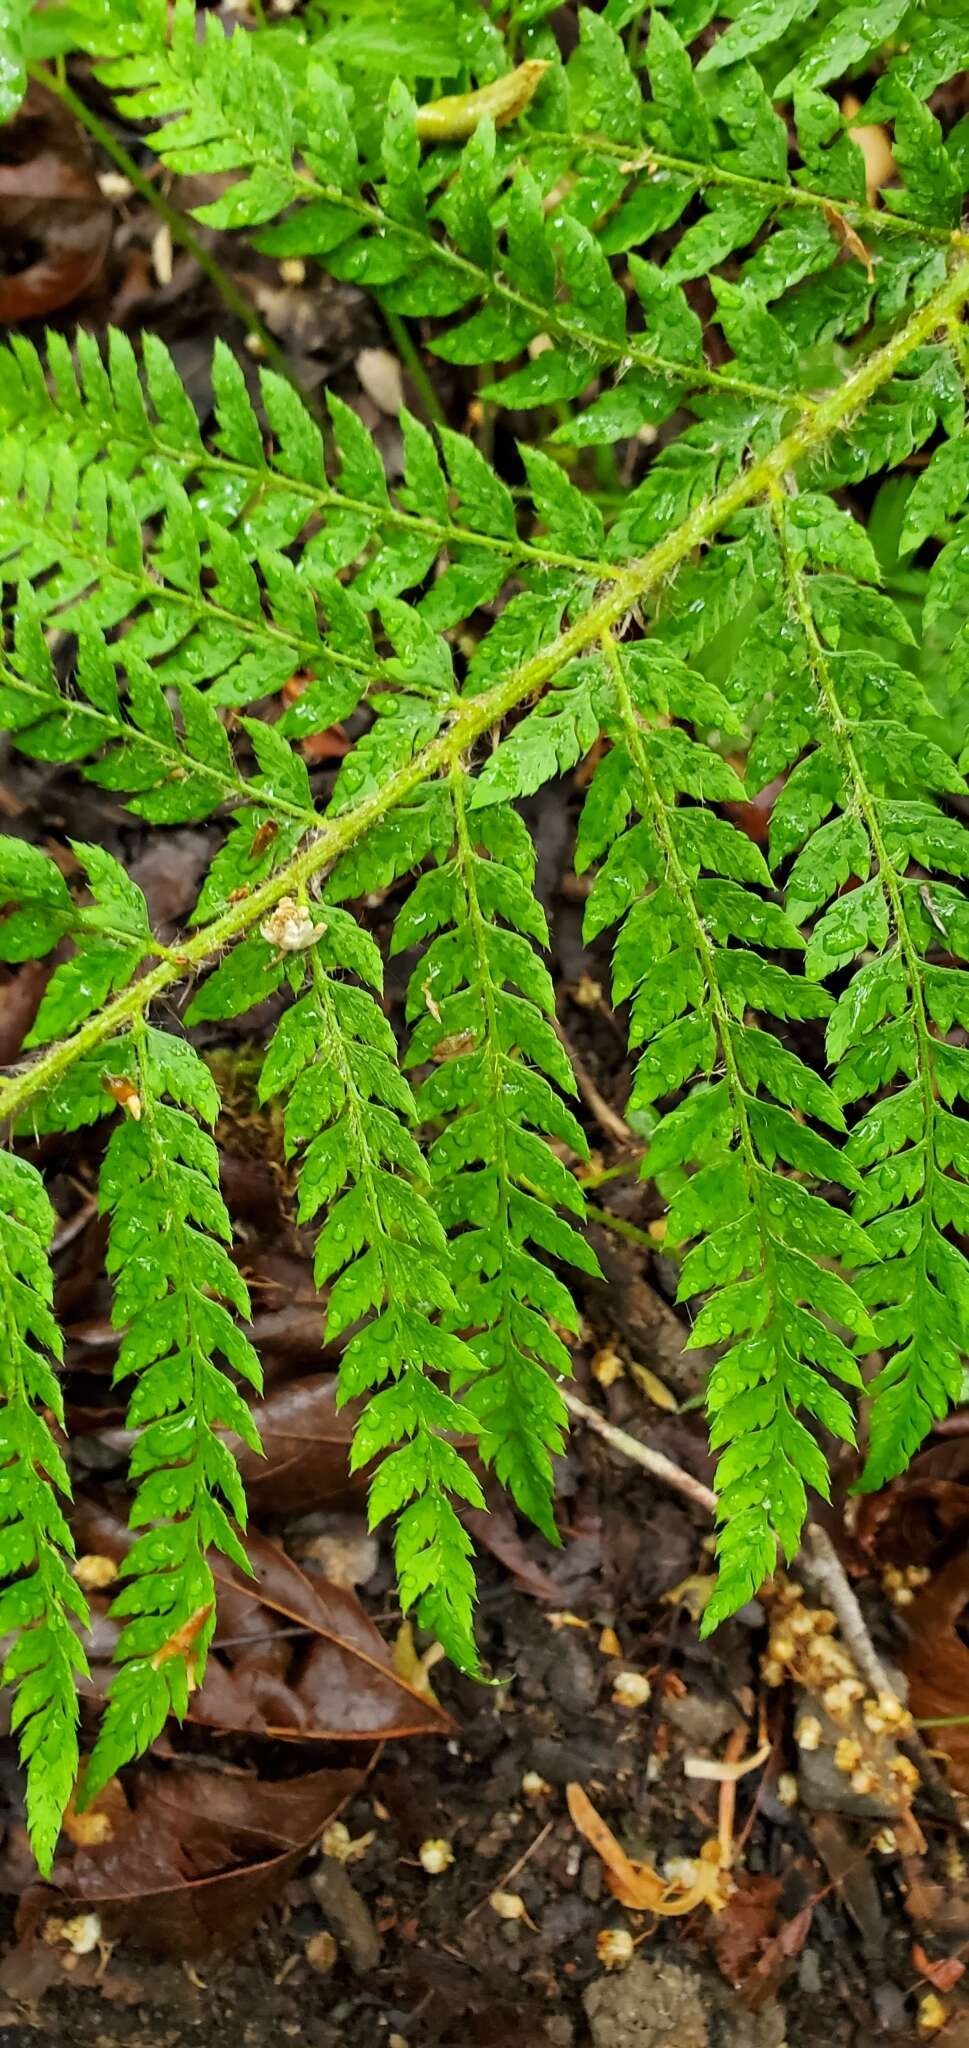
(665, 251)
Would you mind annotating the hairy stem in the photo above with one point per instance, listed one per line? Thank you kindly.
(335, 836)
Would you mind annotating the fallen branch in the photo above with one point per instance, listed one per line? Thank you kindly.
(820, 1565)
(654, 1462)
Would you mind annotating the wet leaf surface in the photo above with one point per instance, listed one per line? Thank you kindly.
(196, 1857)
(295, 1658)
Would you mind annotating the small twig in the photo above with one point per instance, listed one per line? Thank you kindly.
(820, 1564)
(727, 1804)
(74, 1225)
(609, 1120)
(822, 1567)
(654, 1462)
(513, 1872)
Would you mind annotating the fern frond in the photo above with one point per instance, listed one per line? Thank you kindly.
(480, 1002)
(382, 1252)
(112, 934)
(472, 227)
(689, 887)
(722, 598)
(41, 1605)
(174, 1288)
(888, 845)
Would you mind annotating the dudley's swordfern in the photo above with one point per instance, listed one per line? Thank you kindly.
(662, 249)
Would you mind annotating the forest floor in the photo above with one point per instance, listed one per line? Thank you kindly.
(206, 1913)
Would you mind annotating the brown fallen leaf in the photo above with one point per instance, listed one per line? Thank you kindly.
(746, 1925)
(293, 1658)
(637, 1884)
(49, 197)
(943, 1973)
(937, 1666)
(196, 1860)
(495, 1530)
(305, 1461)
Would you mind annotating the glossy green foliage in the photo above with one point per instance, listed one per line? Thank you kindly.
(41, 1605)
(176, 1296)
(748, 633)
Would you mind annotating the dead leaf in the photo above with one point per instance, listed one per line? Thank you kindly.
(197, 1859)
(637, 1884)
(416, 1669)
(943, 1974)
(875, 147)
(937, 1666)
(773, 1966)
(305, 1460)
(20, 995)
(746, 1925)
(49, 197)
(496, 1531)
(293, 1658)
(99, 1821)
(849, 238)
(922, 1518)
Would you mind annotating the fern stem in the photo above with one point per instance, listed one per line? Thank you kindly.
(637, 157)
(335, 836)
(182, 230)
(619, 1225)
(682, 889)
(887, 873)
(553, 320)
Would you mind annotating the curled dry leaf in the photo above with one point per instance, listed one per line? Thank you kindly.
(942, 1972)
(638, 1885)
(922, 1518)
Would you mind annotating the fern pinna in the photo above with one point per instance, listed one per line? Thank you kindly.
(663, 250)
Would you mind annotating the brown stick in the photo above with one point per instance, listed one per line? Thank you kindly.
(822, 1567)
(654, 1462)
